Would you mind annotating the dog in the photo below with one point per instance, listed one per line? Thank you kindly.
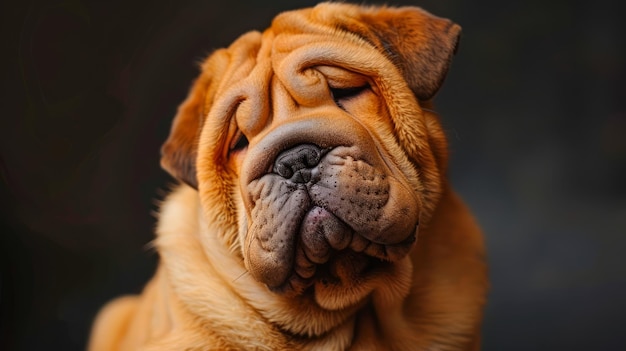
(313, 211)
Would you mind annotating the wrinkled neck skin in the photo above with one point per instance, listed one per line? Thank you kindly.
(218, 285)
(216, 294)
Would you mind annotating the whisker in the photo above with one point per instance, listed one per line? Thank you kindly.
(240, 275)
(429, 110)
(150, 246)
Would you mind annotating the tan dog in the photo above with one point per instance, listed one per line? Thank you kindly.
(312, 161)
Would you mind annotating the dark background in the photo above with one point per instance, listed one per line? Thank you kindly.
(534, 107)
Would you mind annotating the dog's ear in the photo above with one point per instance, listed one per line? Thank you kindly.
(179, 153)
(420, 44)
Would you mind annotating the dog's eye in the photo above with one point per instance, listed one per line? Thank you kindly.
(347, 93)
(239, 142)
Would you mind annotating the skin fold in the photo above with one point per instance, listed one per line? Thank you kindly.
(314, 211)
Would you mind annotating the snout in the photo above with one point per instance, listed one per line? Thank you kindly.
(313, 193)
(319, 131)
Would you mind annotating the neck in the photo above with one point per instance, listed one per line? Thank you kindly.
(217, 288)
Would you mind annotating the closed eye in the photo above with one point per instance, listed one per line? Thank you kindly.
(239, 142)
(347, 93)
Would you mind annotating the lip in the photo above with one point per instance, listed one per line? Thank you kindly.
(319, 235)
(327, 274)
(343, 269)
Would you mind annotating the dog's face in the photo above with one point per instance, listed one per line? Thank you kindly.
(312, 155)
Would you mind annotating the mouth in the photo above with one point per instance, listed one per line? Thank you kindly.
(324, 218)
(329, 253)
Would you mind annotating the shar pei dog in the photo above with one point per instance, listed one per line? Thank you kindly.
(313, 211)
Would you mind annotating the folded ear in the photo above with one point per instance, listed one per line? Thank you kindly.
(420, 44)
(179, 153)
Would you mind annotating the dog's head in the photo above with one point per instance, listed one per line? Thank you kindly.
(310, 148)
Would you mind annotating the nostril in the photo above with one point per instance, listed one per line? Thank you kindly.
(283, 169)
(297, 158)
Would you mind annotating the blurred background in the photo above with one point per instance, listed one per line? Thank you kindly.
(534, 107)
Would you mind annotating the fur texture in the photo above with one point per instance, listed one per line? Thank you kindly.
(316, 213)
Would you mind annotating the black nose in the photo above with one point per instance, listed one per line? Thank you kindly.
(296, 163)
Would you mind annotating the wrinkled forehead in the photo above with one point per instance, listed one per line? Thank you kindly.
(297, 42)
(289, 54)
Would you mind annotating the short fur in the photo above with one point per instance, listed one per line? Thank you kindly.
(253, 258)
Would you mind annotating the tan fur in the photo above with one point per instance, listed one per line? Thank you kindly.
(204, 295)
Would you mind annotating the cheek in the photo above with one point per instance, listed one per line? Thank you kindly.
(370, 111)
(235, 161)
(235, 164)
(242, 221)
